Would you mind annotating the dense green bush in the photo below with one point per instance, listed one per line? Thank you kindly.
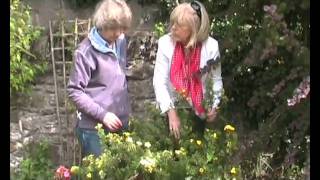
(36, 164)
(265, 56)
(24, 66)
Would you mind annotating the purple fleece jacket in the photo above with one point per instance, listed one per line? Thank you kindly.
(98, 84)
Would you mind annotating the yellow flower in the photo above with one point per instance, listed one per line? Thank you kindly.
(229, 128)
(74, 169)
(201, 170)
(102, 174)
(233, 171)
(229, 144)
(184, 93)
(149, 164)
(215, 136)
(126, 134)
(149, 169)
(199, 142)
(99, 126)
(182, 149)
(99, 163)
(89, 175)
(191, 140)
(167, 153)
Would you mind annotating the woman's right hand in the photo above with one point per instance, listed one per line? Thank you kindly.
(174, 123)
(112, 122)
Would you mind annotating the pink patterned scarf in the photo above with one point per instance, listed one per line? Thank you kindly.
(185, 75)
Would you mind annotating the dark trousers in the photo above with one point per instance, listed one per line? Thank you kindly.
(198, 124)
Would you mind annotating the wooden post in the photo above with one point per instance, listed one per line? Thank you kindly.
(56, 92)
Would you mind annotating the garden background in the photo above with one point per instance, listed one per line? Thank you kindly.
(263, 128)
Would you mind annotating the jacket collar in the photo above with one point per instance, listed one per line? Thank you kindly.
(99, 43)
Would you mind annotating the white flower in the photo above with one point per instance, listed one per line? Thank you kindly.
(129, 139)
(139, 143)
(147, 145)
(148, 163)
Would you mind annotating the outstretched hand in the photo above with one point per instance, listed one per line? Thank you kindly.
(211, 115)
(174, 123)
(112, 122)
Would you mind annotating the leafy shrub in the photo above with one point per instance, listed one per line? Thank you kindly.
(37, 163)
(265, 56)
(159, 29)
(24, 66)
(148, 151)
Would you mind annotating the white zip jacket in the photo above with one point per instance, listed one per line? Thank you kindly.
(165, 94)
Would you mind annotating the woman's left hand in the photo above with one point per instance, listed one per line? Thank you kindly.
(211, 115)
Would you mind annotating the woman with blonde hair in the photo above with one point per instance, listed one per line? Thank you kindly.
(97, 84)
(184, 64)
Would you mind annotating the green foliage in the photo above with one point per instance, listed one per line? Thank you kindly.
(148, 151)
(23, 64)
(265, 56)
(37, 164)
(159, 29)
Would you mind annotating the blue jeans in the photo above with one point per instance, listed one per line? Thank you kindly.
(89, 141)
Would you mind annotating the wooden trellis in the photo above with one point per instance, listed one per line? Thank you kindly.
(64, 37)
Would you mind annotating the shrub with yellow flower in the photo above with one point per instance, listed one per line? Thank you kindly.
(201, 170)
(127, 155)
(148, 163)
(199, 142)
(233, 171)
(229, 128)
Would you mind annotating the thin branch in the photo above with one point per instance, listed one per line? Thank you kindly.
(27, 52)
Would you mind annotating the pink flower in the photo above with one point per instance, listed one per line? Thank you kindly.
(63, 173)
(67, 175)
(301, 92)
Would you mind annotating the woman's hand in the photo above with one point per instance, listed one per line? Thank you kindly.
(211, 115)
(112, 122)
(174, 123)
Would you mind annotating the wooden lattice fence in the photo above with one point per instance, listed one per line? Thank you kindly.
(64, 37)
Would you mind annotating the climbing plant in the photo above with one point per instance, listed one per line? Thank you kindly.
(24, 65)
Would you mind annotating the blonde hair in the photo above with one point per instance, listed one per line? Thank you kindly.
(112, 14)
(200, 27)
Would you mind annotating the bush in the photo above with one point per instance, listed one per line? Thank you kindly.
(148, 151)
(24, 66)
(265, 56)
(37, 163)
